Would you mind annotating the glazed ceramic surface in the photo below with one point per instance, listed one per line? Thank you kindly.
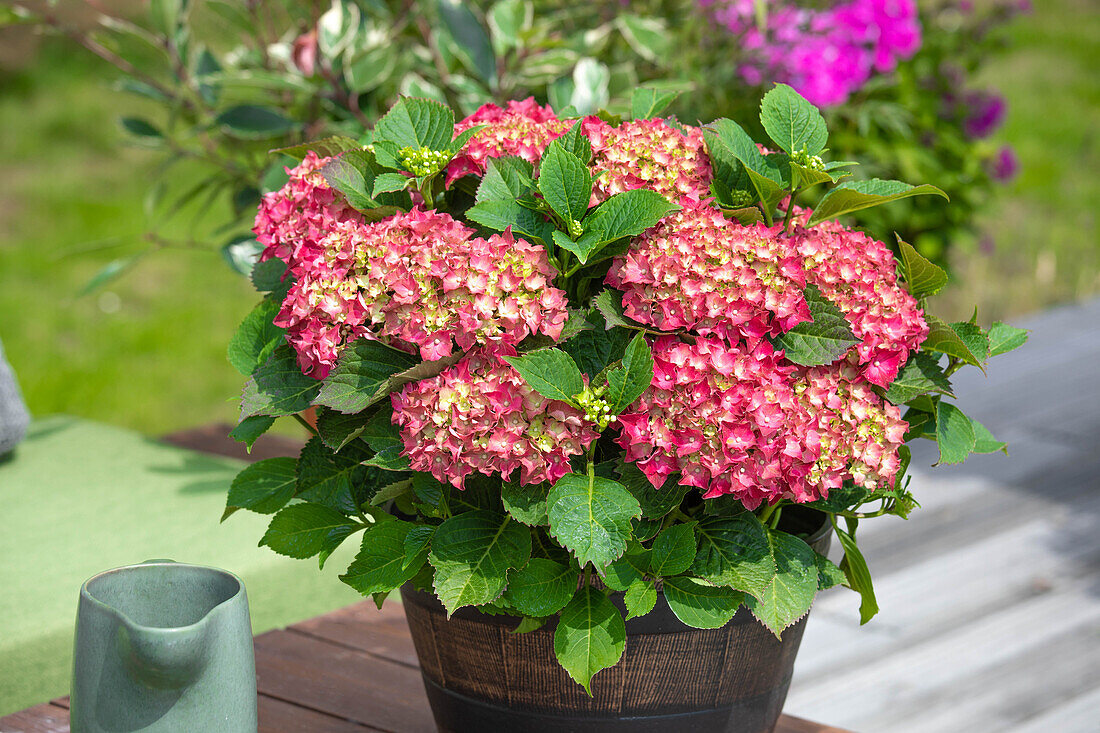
(161, 647)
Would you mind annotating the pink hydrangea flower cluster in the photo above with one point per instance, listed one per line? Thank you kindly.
(648, 154)
(522, 128)
(422, 281)
(743, 421)
(858, 274)
(291, 221)
(700, 271)
(479, 415)
(825, 53)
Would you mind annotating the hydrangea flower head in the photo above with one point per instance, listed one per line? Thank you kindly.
(291, 221)
(700, 271)
(858, 274)
(648, 154)
(740, 421)
(425, 283)
(480, 416)
(522, 128)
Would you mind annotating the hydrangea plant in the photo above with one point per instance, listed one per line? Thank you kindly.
(556, 358)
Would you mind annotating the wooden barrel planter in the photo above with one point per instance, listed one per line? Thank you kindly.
(482, 677)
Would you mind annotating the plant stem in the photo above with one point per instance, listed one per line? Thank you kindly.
(790, 211)
(767, 512)
(305, 424)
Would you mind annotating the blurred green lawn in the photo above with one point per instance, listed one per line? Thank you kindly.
(148, 352)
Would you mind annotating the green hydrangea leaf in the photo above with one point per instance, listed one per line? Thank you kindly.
(631, 567)
(351, 174)
(337, 429)
(673, 550)
(922, 277)
(824, 339)
(506, 179)
(565, 182)
(647, 102)
(270, 276)
(416, 123)
(976, 340)
(1004, 338)
(362, 375)
(954, 433)
(853, 196)
(264, 487)
(590, 516)
(655, 503)
(335, 480)
(528, 624)
(328, 147)
(791, 591)
(590, 637)
(525, 502)
(640, 598)
(648, 36)
(550, 372)
(734, 551)
(300, 530)
(472, 554)
(417, 543)
(250, 429)
(828, 574)
(625, 214)
(576, 143)
(389, 183)
(381, 564)
(792, 122)
(921, 374)
(945, 339)
(699, 605)
(278, 386)
(541, 588)
(984, 442)
(859, 577)
(256, 338)
(389, 459)
(499, 215)
(626, 384)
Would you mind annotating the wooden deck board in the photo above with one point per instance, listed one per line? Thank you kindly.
(990, 594)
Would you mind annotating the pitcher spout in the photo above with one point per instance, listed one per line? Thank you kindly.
(164, 659)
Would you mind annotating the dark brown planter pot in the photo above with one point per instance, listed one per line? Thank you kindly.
(481, 677)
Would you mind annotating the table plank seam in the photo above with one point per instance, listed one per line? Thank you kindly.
(326, 713)
(349, 647)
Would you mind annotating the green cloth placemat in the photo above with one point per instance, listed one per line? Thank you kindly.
(78, 497)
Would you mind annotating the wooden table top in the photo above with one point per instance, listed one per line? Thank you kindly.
(348, 671)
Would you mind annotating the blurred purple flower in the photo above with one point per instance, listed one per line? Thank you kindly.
(825, 54)
(1004, 165)
(985, 111)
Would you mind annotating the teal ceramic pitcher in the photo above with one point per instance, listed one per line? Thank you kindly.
(163, 647)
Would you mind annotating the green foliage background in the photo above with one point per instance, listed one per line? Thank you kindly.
(149, 351)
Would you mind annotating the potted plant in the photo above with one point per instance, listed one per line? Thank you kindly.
(594, 393)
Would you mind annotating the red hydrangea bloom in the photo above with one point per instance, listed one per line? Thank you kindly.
(293, 219)
(846, 428)
(858, 274)
(648, 154)
(701, 271)
(741, 421)
(424, 282)
(522, 128)
(479, 415)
